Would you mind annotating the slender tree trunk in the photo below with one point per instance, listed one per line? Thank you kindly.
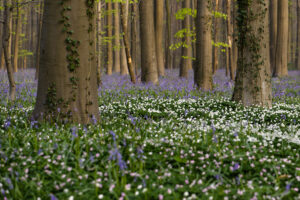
(253, 79)
(187, 53)
(1, 32)
(2, 61)
(298, 35)
(273, 32)
(281, 65)
(169, 57)
(229, 52)
(234, 39)
(109, 35)
(98, 38)
(40, 24)
(148, 54)
(203, 63)
(67, 85)
(117, 45)
(124, 67)
(215, 49)
(5, 45)
(17, 35)
(159, 29)
(126, 43)
(134, 40)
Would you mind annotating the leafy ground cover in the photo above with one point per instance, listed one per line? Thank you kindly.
(154, 142)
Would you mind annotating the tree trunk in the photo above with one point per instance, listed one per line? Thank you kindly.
(67, 85)
(203, 64)
(215, 49)
(1, 32)
(126, 42)
(124, 67)
(2, 61)
(298, 35)
(253, 79)
(159, 29)
(187, 53)
(17, 35)
(229, 52)
(148, 54)
(5, 45)
(37, 57)
(234, 40)
(169, 57)
(117, 45)
(281, 59)
(109, 35)
(98, 38)
(273, 32)
(134, 38)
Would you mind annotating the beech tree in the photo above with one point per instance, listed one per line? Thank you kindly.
(6, 35)
(253, 79)
(148, 53)
(298, 36)
(67, 83)
(109, 35)
(117, 45)
(159, 27)
(281, 59)
(203, 64)
(187, 53)
(130, 64)
(273, 32)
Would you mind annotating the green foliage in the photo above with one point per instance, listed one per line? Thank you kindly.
(25, 53)
(218, 14)
(221, 45)
(184, 12)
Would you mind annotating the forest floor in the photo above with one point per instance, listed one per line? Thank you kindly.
(154, 142)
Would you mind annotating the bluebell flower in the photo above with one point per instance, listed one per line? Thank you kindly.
(113, 135)
(115, 155)
(236, 166)
(74, 130)
(52, 197)
(10, 185)
(7, 124)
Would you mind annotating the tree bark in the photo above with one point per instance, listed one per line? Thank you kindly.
(67, 85)
(148, 54)
(298, 35)
(2, 61)
(40, 24)
(117, 45)
(98, 38)
(273, 32)
(203, 64)
(126, 43)
(215, 49)
(109, 35)
(253, 79)
(234, 40)
(187, 53)
(17, 35)
(5, 45)
(229, 52)
(159, 29)
(134, 39)
(1, 32)
(169, 55)
(281, 59)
